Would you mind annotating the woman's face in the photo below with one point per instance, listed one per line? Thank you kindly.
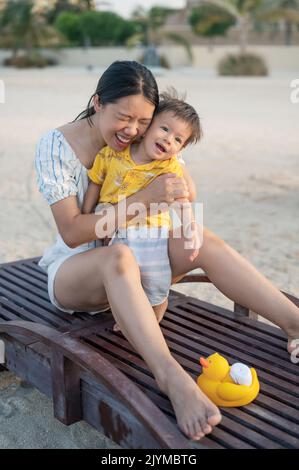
(121, 122)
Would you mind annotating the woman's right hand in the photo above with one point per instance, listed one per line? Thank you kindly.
(165, 188)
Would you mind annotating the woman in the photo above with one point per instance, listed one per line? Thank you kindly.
(83, 277)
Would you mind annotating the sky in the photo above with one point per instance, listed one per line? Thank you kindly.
(125, 7)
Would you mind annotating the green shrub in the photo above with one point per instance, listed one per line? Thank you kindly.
(164, 62)
(33, 60)
(98, 28)
(68, 24)
(242, 65)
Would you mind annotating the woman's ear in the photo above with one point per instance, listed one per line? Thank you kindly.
(96, 103)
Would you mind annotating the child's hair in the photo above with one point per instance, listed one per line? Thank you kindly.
(170, 101)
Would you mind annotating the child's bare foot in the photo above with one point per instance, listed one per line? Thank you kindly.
(116, 327)
(160, 310)
(196, 415)
(293, 335)
(293, 344)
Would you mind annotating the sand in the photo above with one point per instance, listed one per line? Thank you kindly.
(247, 175)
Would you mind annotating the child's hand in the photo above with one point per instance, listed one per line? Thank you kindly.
(194, 242)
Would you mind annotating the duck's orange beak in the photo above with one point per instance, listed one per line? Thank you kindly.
(204, 362)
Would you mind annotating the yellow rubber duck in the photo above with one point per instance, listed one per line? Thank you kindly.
(227, 386)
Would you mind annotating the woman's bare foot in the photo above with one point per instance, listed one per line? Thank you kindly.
(196, 415)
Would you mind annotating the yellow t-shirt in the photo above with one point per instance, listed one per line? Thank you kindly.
(119, 177)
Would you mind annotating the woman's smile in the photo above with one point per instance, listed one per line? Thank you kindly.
(122, 141)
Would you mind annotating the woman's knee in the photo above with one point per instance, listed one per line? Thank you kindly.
(212, 246)
(121, 261)
(210, 239)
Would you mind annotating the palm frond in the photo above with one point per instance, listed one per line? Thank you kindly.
(178, 39)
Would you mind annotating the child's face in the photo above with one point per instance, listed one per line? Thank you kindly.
(166, 136)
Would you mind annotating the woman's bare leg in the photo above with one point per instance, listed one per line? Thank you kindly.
(238, 279)
(159, 311)
(87, 280)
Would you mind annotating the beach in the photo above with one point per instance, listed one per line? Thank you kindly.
(246, 171)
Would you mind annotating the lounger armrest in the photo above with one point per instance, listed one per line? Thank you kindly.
(244, 311)
(79, 354)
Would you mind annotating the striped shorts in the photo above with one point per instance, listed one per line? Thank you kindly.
(150, 248)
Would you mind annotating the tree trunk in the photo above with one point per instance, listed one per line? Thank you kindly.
(288, 33)
(244, 32)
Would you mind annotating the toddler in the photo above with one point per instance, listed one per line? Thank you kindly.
(118, 174)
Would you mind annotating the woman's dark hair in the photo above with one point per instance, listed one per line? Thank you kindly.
(123, 78)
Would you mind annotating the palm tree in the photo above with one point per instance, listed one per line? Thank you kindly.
(226, 13)
(286, 10)
(214, 15)
(21, 28)
(150, 35)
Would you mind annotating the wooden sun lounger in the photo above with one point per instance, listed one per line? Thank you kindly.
(94, 374)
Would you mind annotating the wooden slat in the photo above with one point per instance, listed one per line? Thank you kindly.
(191, 328)
(21, 280)
(210, 343)
(32, 274)
(34, 260)
(139, 409)
(242, 320)
(138, 371)
(33, 304)
(189, 360)
(191, 313)
(226, 333)
(134, 359)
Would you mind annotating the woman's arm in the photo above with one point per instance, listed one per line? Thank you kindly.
(190, 184)
(91, 197)
(76, 228)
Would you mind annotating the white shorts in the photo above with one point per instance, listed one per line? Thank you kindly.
(51, 261)
(150, 248)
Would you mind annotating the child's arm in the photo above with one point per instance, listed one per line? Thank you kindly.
(91, 197)
(183, 209)
(188, 229)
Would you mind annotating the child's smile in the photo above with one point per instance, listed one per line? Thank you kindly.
(165, 137)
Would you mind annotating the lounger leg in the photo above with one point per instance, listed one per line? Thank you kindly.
(66, 389)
